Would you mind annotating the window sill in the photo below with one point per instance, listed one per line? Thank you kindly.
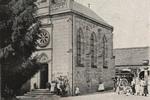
(106, 67)
(80, 65)
(93, 66)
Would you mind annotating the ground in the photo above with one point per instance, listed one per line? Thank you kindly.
(107, 96)
(96, 96)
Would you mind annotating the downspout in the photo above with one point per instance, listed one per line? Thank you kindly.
(72, 56)
(71, 5)
(50, 16)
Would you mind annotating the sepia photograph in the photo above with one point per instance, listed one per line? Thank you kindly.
(74, 49)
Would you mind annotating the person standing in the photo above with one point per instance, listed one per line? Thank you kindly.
(142, 82)
(77, 91)
(137, 86)
(145, 88)
(58, 88)
(148, 85)
(118, 86)
(55, 88)
(63, 92)
(49, 86)
(133, 86)
(115, 84)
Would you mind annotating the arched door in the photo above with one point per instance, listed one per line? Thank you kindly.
(43, 76)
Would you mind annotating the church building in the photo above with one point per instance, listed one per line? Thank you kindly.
(75, 43)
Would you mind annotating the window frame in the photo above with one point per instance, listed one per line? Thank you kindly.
(80, 47)
(105, 52)
(93, 50)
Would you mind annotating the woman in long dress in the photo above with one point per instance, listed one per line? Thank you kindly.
(118, 86)
(133, 86)
(142, 87)
(77, 91)
(145, 88)
(137, 86)
(148, 83)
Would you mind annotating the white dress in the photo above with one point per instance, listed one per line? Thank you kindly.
(148, 85)
(142, 87)
(77, 91)
(137, 86)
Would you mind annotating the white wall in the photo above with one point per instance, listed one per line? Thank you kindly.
(62, 44)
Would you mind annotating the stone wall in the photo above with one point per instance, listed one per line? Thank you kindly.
(62, 48)
(86, 77)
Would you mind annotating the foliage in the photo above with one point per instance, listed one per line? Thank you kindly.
(18, 34)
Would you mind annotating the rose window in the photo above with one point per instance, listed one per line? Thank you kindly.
(44, 38)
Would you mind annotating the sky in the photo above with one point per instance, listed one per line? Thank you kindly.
(130, 19)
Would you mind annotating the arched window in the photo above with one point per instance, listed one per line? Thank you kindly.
(93, 51)
(105, 52)
(80, 47)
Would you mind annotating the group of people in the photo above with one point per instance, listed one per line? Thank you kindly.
(139, 87)
(61, 87)
(136, 87)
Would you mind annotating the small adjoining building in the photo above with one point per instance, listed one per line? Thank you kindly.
(132, 62)
(75, 44)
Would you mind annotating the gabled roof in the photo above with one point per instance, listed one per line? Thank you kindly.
(131, 56)
(87, 12)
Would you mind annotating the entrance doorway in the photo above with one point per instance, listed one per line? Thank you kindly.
(43, 76)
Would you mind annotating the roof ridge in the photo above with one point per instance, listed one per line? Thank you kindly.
(132, 47)
(88, 12)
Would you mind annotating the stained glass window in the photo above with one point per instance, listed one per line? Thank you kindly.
(93, 51)
(105, 52)
(80, 48)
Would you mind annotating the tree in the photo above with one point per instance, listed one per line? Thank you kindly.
(18, 34)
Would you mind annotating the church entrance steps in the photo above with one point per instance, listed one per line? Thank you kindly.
(38, 92)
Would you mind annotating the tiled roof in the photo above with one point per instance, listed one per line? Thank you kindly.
(131, 56)
(87, 12)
